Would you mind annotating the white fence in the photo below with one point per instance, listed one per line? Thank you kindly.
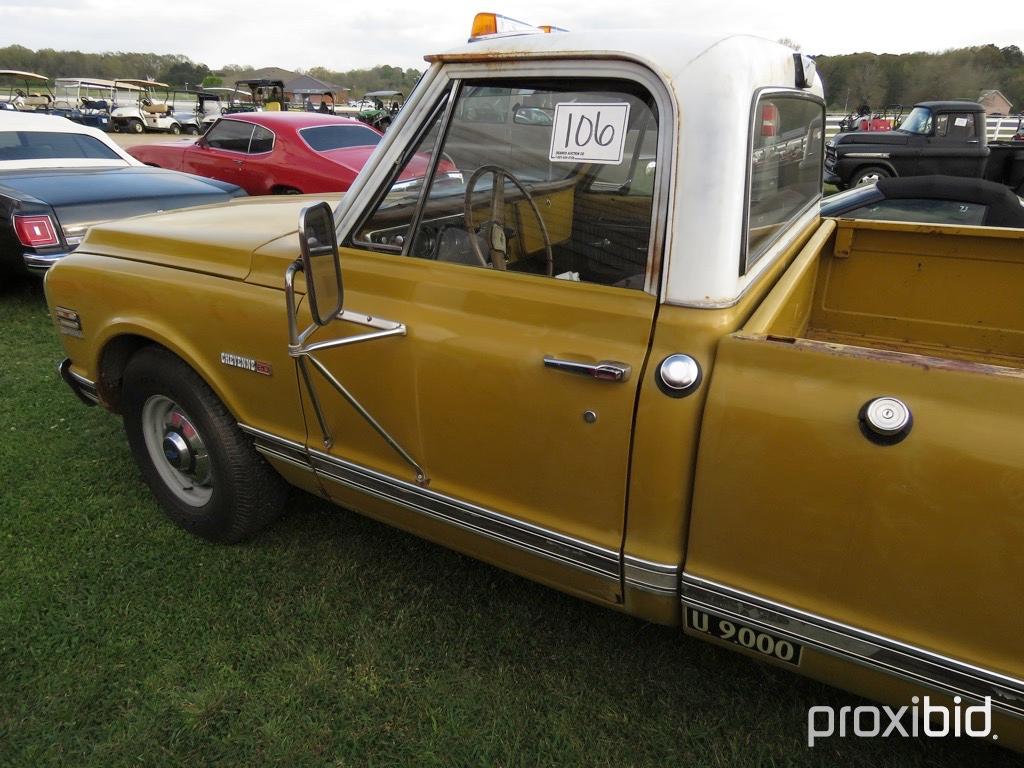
(998, 128)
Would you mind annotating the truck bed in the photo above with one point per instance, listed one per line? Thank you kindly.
(914, 536)
(947, 292)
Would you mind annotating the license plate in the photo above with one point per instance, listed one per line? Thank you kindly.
(763, 643)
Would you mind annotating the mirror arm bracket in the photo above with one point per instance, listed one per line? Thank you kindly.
(301, 351)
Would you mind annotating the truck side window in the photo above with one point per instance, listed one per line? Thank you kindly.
(961, 126)
(578, 162)
(386, 229)
(784, 175)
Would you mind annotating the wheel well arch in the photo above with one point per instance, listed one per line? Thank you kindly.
(872, 163)
(114, 358)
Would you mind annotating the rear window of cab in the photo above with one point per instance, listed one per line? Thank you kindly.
(785, 167)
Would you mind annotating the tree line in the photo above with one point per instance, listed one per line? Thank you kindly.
(850, 80)
(179, 70)
(877, 80)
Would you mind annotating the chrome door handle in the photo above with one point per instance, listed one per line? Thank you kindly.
(606, 370)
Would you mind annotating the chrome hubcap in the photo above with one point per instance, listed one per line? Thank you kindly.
(177, 450)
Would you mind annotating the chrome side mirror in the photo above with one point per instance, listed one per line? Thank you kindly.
(318, 243)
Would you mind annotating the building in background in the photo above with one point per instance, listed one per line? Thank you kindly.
(995, 103)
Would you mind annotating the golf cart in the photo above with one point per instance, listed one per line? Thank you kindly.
(25, 91)
(195, 111)
(87, 101)
(267, 95)
(318, 100)
(231, 100)
(385, 106)
(148, 109)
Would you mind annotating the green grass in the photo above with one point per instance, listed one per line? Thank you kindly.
(330, 640)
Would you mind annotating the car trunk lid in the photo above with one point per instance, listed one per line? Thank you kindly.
(86, 197)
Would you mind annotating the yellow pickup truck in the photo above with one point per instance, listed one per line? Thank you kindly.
(606, 341)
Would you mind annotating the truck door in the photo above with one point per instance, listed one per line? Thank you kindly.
(496, 414)
(955, 148)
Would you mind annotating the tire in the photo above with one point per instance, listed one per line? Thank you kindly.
(868, 175)
(228, 492)
(175, 129)
(285, 191)
(135, 126)
(192, 130)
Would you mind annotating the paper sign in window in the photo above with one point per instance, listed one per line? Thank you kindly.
(960, 122)
(589, 133)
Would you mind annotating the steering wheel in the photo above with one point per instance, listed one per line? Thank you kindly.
(496, 235)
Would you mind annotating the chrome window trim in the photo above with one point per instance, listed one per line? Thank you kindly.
(246, 153)
(746, 261)
(909, 662)
(273, 139)
(439, 110)
(551, 545)
(462, 73)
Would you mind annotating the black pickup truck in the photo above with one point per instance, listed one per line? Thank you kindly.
(937, 137)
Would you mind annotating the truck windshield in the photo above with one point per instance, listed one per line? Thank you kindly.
(918, 121)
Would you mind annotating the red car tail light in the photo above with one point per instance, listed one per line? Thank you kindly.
(35, 231)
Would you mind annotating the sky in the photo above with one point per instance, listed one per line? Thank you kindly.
(343, 35)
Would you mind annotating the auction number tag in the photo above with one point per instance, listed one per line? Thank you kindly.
(733, 632)
(589, 133)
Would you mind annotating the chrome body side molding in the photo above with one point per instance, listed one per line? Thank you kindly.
(494, 525)
(932, 670)
(656, 578)
(540, 541)
(274, 447)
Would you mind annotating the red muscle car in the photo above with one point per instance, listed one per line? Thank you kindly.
(269, 153)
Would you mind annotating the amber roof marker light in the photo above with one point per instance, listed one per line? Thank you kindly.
(486, 25)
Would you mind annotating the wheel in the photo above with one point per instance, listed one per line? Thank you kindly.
(192, 130)
(175, 129)
(135, 126)
(495, 232)
(869, 176)
(204, 472)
